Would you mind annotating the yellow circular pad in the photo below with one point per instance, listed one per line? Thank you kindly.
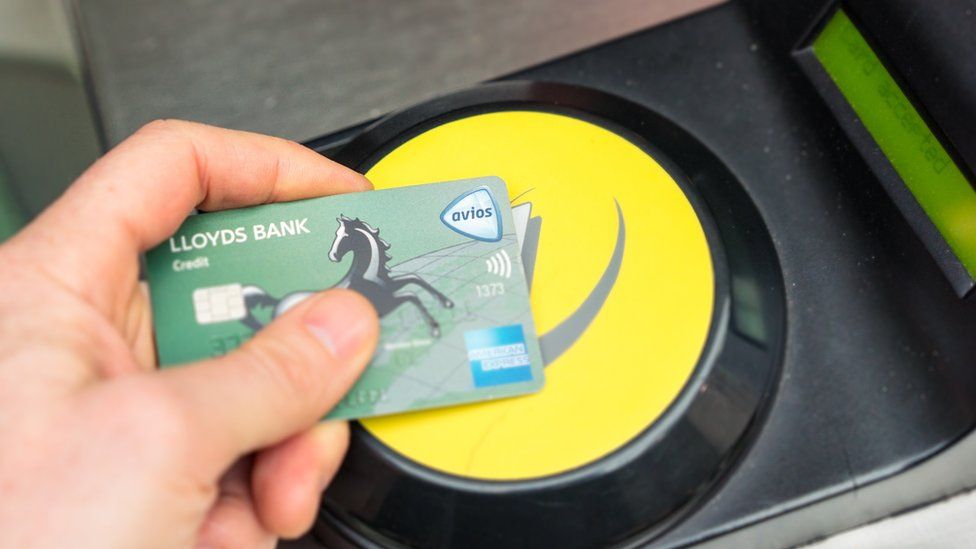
(641, 348)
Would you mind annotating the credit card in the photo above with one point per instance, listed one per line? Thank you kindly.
(440, 262)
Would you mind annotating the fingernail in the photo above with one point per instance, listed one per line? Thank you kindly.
(342, 321)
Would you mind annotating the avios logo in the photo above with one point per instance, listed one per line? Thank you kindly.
(474, 215)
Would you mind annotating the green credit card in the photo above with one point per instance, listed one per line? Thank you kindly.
(441, 263)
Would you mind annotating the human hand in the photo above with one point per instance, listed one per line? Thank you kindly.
(101, 450)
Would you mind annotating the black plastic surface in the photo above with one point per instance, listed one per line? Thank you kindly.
(878, 366)
(619, 498)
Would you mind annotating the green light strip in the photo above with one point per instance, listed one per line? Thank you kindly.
(903, 136)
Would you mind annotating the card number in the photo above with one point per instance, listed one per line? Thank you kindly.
(490, 290)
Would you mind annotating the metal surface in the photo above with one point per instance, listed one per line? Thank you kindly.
(301, 68)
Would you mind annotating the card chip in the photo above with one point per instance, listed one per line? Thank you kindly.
(219, 304)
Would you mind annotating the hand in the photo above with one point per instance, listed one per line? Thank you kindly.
(101, 450)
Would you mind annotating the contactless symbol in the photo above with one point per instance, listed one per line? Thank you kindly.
(500, 264)
(498, 356)
(621, 289)
(474, 215)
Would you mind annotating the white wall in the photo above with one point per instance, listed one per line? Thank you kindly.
(37, 30)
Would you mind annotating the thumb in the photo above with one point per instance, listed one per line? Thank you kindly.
(282, 381)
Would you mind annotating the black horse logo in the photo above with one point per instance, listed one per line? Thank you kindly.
(368, 275)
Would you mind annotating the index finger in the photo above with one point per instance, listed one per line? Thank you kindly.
(140, 192)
